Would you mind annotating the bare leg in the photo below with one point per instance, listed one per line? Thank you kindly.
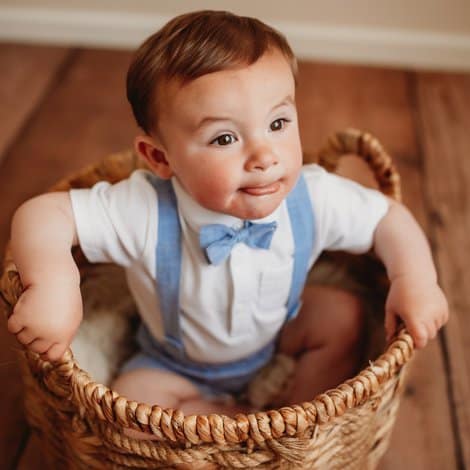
(155, 386)
(205, 407)
(325, 338)
(168, 390)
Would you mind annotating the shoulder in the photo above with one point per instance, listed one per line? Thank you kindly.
(318, 178)
(335, 197)
(129, 201)
(134, 193)
(115, 221)
(312, 170)
(318, 182)
(326, 187)
(138, 184)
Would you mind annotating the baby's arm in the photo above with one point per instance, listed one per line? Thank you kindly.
(414, 294)
(49, 311)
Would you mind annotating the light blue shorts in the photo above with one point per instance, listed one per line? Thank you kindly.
(212, 380)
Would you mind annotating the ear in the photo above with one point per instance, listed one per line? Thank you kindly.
(154, 154)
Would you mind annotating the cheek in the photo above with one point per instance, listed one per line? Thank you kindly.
(214, 181)
(294, 149)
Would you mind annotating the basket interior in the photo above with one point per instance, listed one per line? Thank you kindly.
(106, 336)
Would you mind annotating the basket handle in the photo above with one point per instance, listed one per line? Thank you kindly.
(364, 145)
(367, 147)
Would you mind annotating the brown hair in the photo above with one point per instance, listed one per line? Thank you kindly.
(192, 45)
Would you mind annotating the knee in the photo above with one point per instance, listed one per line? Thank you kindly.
(342, 328)
(349, 329)
(331, 318)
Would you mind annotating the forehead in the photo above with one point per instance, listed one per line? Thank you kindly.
(262, 84)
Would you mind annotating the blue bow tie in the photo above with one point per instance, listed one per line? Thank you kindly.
(218, 240)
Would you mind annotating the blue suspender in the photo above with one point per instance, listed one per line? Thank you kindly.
(303, 229)
(168, 261)
(168, 255)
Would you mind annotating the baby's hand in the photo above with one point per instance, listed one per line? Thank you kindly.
(46, 317)
(421, 305)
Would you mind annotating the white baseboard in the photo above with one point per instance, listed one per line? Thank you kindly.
(396, 48)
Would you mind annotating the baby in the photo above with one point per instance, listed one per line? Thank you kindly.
(218, 237)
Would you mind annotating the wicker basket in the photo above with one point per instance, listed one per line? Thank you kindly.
(80, 421)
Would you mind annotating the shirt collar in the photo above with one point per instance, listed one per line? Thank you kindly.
(196, 215)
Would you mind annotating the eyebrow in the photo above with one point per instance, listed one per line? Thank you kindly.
(209, 119)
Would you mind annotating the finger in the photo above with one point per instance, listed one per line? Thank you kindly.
(56, 352)
(39, 346)
(44, 356)
(419, 334)
(25, 336)
(14, 325)
(443, 318)
(432, 330)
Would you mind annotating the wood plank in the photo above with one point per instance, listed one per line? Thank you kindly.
(27, 73)
(444, 103)
(380, 101)
(332, 97)
(85, 117)
(82, 121)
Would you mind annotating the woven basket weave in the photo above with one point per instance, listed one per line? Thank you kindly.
(80, 421)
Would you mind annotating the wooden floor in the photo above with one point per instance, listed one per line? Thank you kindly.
(61, 109)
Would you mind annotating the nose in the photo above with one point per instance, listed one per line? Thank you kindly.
(261, 158)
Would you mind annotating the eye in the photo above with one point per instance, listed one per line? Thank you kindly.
(278, 124)
(224, 139)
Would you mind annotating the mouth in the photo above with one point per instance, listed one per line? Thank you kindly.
(262, 190)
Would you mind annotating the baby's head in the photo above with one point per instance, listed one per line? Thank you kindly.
(214, 94)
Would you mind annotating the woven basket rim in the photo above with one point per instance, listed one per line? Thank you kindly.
(74, 383)
(173, 425)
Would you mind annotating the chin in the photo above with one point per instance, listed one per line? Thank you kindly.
(259, 212)
(253, 209)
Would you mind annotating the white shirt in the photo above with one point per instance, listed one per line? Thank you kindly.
(230, 310)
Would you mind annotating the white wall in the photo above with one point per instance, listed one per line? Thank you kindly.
(448, 16)
(415, 33)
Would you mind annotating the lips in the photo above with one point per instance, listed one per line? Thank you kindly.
(262, 190)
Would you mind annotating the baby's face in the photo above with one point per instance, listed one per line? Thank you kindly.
(232, 138)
